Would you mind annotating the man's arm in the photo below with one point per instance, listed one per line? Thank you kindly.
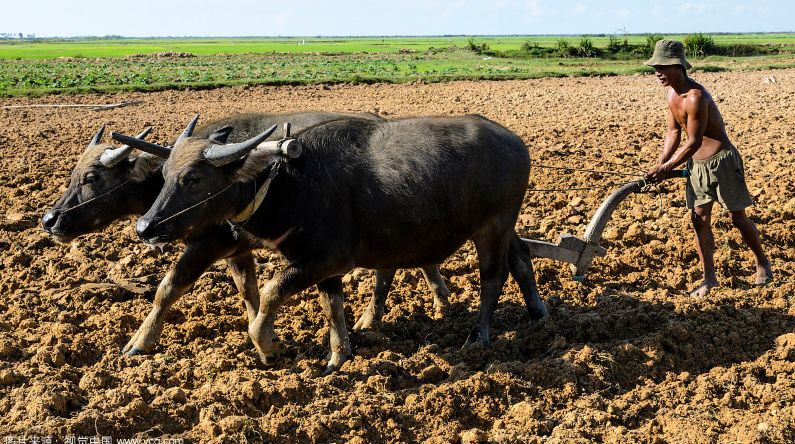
(697, 111)
(672, 139)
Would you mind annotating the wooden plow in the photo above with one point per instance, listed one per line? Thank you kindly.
(580, 252)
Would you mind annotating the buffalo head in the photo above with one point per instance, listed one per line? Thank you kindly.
(101, 189)
(204, 180)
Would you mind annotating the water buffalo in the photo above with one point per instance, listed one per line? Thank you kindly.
(356, 193)
(109, 183)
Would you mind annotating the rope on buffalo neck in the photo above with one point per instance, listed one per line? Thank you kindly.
(96, 197)
(240, 220)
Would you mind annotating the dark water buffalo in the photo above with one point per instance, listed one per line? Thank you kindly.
(362, 193)
(109, 183)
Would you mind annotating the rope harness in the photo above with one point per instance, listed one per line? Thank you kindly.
(106, 193)
(237, 222)
(638, 173)
(645, 186)
(183, 211)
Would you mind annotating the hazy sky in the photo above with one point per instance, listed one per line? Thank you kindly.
(395, 17)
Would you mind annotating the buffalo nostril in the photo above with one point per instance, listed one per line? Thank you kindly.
(50, 219)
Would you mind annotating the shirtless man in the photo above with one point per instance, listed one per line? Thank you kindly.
(715, 167)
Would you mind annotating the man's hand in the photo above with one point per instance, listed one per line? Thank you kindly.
(658, 173)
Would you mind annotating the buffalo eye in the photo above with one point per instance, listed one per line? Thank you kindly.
(90, 178)
(190, 180)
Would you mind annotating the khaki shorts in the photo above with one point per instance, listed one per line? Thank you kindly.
(721, 178)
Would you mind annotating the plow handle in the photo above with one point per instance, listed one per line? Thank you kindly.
(673, 174)
(593, 233)
(677, 173)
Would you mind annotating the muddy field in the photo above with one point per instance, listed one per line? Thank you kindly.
(626, 357)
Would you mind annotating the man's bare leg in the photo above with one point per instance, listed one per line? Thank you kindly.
(705, 246)
(764, 273)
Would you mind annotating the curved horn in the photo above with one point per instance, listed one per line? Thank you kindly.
(188, 131)
(149, 147)
(111, 157)
(219, 155)
(97, 137)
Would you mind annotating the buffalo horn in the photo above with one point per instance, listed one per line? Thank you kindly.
(188, 131)
(111, 157)
(97, 137)
(149, 147)
(219, 155)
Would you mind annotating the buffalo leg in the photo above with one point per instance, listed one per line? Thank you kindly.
(440, 292)
(293, 279)
(375, 309)
(244, 273)
(521, 268)
(493, 258)
(331, 301)
(193, 262)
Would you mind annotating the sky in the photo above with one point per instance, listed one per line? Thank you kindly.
(141, 18)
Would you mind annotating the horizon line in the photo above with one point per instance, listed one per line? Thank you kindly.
(14, 36)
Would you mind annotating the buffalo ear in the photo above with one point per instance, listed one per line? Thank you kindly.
(143, 166)
(221, 134)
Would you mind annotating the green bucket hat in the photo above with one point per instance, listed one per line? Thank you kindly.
(668, 52)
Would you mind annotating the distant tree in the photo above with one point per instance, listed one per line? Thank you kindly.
(475, 47)
(652, 39)
(699, 45)
(586, 48)
(613, 44)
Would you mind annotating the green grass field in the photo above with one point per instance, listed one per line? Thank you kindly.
(62, 66)
(47, 49)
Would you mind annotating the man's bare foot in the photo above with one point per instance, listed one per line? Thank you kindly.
(764, 274)
(704, 289)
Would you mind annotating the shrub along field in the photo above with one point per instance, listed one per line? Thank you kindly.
(115, 64)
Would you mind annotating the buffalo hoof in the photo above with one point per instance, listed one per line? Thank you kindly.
(367, 321)
(274, 357)
(535, 323)
(131, 349)
(133, 352)
(335, 363)
(440, 311)
(538, 312)
(475, 339)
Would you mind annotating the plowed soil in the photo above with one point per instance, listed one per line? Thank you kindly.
(625, 357)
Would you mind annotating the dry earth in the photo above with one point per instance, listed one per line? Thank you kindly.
(626, 357)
